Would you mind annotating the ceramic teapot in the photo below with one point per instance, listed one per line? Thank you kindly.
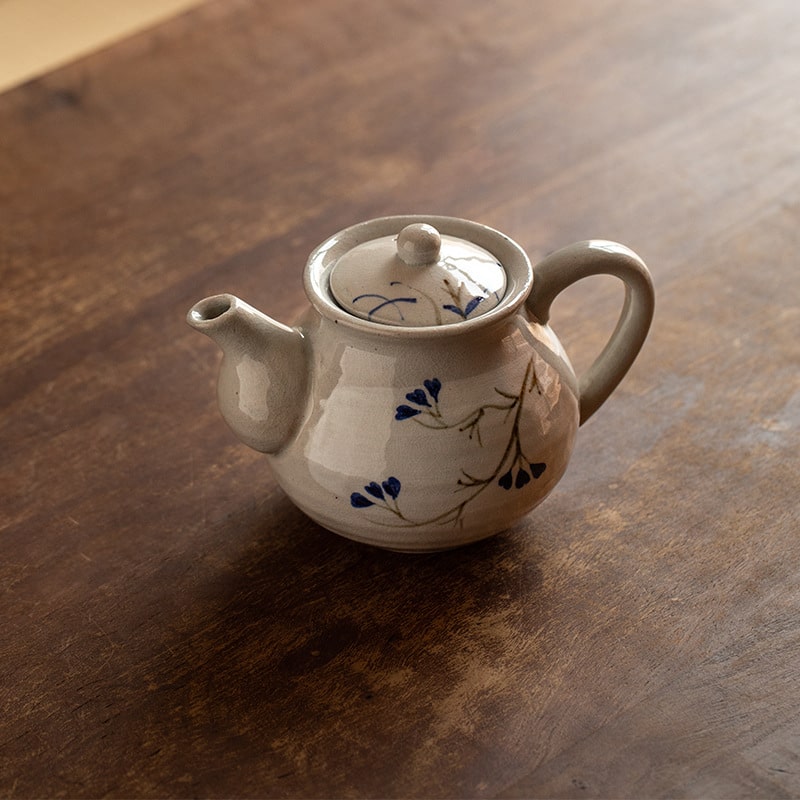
(422, 401)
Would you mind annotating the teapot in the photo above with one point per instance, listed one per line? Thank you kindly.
(422, 401)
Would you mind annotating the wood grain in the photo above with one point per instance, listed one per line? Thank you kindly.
(173, 627)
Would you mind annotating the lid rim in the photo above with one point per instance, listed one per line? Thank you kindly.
(511, 257)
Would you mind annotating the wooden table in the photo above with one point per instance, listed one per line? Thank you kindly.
(173, 627)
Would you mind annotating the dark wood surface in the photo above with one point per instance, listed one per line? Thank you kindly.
(172, 627)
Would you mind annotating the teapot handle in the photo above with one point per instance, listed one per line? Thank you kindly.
(597, 257)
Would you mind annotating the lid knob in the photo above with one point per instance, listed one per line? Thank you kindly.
(419, 244)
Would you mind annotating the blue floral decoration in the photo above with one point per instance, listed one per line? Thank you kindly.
(420, 398)
(467, 310)
(507, 480)
(380, 491)
(512, 468)
(386, 301)
(434, 386)
(404, 412)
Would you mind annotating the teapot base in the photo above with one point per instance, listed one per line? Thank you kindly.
(419, 545)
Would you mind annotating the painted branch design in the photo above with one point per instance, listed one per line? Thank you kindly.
(513, 467)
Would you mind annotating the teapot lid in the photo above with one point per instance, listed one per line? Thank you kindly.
(418, 277)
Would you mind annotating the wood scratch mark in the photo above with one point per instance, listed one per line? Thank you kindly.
(113, 645)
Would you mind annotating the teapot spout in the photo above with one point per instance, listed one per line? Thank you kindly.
(263, 377)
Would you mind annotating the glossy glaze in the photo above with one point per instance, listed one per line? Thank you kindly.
(448, 449)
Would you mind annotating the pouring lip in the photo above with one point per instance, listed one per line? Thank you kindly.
(515, 262)
(207, 311)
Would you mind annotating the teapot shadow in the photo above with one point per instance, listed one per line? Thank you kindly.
(350, 637)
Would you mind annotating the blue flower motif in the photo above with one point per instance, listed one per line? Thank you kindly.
(419, 397)
(468, 309)
(390, 487)
(507, 479)
(375, 490)
(404, 412)
(434, 386)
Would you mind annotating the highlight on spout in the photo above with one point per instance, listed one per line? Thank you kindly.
(210, 308)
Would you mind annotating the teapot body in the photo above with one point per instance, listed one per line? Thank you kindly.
(418, 443)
